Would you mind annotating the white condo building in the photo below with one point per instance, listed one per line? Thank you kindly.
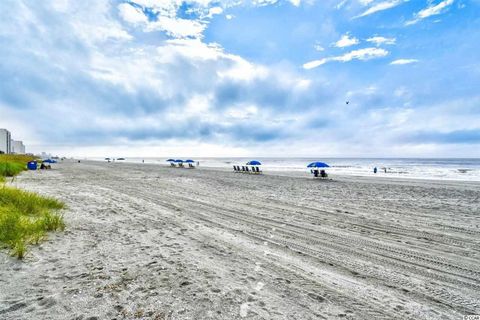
(18, 147)
(5, 141)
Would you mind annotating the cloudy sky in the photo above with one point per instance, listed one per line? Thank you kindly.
(241, 78)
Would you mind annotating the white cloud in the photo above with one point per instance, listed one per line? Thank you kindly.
(131, 14)
(173, 26)
(177, 27)
(365, 2)
(381, 40)
(431, 11)
(315, 63)
(340, 4)
(380, 7)
(262, 3)
(403, 61)
(346, 41)
(213, 11)
(361, 54)
(167, 19)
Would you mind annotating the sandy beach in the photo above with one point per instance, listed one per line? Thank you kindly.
(153, 242)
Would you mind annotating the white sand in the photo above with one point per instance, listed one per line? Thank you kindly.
(145, 241)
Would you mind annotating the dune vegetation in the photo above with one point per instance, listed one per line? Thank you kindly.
(25, 217)
(11, 165)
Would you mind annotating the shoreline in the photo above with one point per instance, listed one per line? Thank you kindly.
(306, 174)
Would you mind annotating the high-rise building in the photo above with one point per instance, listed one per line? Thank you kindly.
(5, 141)
(18, 147)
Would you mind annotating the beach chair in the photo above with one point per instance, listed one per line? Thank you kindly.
(323, 174)
(246, 169)
(235, 168)
(243, 168)
(258, 170)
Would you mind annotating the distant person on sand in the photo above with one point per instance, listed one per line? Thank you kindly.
(385, 169)
(375, 170)
(198, 163)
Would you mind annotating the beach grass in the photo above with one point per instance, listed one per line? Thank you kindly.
(17, 158)
(11, 164)
(25, 217)
(10, 169)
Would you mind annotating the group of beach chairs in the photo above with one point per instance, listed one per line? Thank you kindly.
(246, 169)
(182, 165)
(319, 173)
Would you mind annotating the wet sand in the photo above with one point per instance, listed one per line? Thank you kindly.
(147, 241)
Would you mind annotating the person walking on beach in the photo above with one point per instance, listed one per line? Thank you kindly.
(375, 170)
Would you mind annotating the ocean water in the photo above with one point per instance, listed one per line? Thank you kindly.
(444, 169)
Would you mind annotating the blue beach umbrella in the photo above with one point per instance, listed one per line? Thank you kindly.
(318, 165)
(253, 163)
(189, 161)
(179, 161)
(49, 161)
(171, 160)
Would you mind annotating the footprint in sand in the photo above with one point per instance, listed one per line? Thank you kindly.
(259, 286)
(244, 307)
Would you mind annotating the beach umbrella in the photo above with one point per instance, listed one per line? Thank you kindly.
(179, 161)
(253, 163)
(171, 160)
(49, 161)
(318, 165)
(189, 161)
